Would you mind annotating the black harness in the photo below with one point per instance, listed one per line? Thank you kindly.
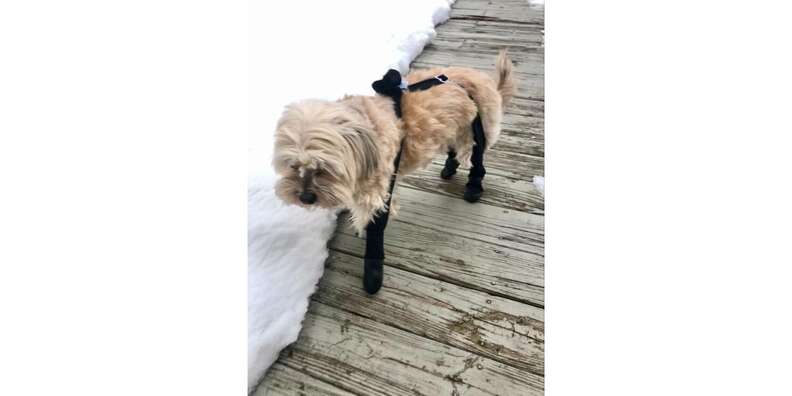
(391, 85)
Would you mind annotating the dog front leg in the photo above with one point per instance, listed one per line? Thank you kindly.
(375, 253)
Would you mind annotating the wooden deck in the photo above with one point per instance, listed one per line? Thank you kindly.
(461, 311)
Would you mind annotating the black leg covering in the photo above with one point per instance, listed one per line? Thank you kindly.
(451, 165)
(375, 253)
(473, 188)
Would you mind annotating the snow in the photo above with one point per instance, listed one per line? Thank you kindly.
(301, 51)
(538, 182)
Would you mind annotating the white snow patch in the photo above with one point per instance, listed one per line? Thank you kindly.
(322, 50)
(538, 182)
(286, 248)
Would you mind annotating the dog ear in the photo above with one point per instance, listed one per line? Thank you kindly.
(364, 149)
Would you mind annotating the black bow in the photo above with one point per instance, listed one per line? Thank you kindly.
(390, 85)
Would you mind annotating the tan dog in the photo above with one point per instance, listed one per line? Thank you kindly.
(340, 154)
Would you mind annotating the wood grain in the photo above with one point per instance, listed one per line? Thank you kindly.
(499, 191)
(284, 380)
(498, 328)
(366, 357)
(483, 222)
(498, 270)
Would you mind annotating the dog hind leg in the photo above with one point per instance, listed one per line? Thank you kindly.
(473, 188)
(451, 165)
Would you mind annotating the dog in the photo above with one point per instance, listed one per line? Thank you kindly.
(340, 154)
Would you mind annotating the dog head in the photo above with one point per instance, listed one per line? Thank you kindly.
(323, 150)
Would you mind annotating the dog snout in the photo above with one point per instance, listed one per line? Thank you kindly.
(307, 197)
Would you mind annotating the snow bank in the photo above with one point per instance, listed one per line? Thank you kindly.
(298, 51)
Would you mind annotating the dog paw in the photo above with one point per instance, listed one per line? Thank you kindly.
(473, 192)
(446, 173)
(450, 168)
(372, 275)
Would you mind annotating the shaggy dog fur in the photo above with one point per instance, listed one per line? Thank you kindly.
(341, 152)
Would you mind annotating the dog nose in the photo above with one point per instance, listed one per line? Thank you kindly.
(307, 197)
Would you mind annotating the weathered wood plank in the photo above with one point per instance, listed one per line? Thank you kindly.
(517, 10)
(509, 143)
(498, 270)
(498, 328)
(485, 60)
(366, 357)
(525, 47)
(511, 165)
(485, 40)
(521, 125)
(483, 222)
(525, 136)
(479, 28)
(509, 193)
(521, 107)
(286, 381)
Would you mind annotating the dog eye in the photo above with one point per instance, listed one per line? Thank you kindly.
(295, 166)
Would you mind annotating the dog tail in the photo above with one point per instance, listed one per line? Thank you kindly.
(504, 78)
